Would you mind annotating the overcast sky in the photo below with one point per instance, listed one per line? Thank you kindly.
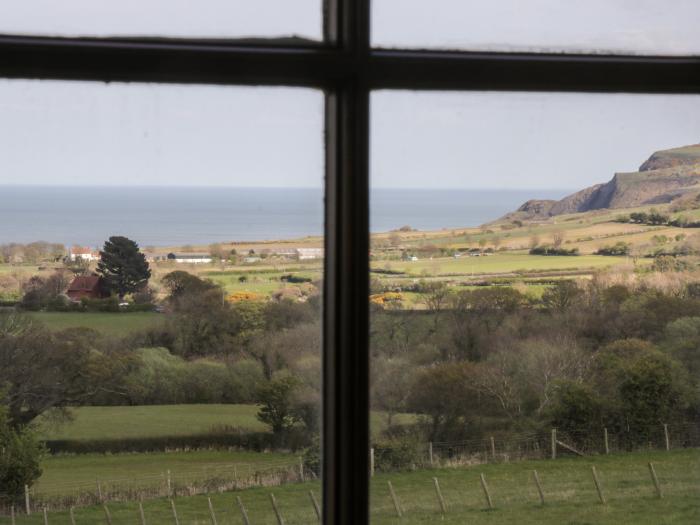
(91, 133)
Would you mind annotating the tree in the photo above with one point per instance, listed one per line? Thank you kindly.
(123, 266)
(20, 459)
(276, 400)
(557, 238)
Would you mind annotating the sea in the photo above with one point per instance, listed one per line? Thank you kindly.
(177, 216)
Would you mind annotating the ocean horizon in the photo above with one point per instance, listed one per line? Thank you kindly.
(181, 215)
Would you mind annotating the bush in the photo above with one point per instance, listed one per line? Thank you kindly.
(401, 453)
(20, 458)
(619, 248)
(549, 250)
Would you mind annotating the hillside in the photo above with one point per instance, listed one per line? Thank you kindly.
(666, 176)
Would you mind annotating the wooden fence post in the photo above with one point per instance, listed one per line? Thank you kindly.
(13, 521)
(668, 441)
(99, 491)
(487, 493)
(598, 487)
(170, 484)
(301, 469)
(172, 507)
(430, 453)
(539, 486)
(212, 514)
(27, 507)
(394, 499)
(441, 500)
(142, 514)
(317, 509)
(71, 515)
(246, 521)
(605, 438)
(280, 520)
(371, 461)
(108, 516)
(493, 448)
(46, 517)
(554, 443)
(655, 479)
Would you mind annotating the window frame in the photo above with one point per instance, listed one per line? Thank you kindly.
(347, 69)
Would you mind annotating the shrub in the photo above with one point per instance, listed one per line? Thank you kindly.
(549, 250)
(400, 453)
(619, 248)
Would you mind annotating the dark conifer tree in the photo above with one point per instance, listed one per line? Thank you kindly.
(123, 266)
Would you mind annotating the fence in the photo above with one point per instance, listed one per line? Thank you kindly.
(217, 478)
(533, 445)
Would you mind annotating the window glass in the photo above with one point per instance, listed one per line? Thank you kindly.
(217, 19)
(533, 285)
(161, 255)
(595, 26)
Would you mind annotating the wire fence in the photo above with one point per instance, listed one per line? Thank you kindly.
(227, 477)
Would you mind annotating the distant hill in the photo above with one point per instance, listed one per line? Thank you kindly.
(666, 176)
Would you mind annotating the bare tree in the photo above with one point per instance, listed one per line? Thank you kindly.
(557, 238)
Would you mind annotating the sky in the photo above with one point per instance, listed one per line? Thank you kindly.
(143, 134)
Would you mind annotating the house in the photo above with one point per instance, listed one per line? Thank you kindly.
(190, 258)
(83, 253)
(309, 253)
(87, 286)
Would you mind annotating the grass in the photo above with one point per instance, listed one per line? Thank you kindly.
(502, 263)
(117, 422)
(66, 473)
(568, 486)
(107, 323)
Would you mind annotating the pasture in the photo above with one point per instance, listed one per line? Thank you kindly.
(568, 488)
(117, 324)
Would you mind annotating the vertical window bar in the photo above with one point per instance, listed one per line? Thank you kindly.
(346, 284)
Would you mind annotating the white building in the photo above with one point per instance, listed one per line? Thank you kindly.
(309, 253)
(83, 253)
(190, 258)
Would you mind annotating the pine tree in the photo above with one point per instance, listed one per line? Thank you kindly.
(123, 266)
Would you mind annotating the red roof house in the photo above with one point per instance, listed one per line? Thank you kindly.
(89, 286)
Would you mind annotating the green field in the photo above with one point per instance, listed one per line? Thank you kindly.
(64, 474)
(501, 263)
(115, 422)
(107, 323)
(568, 487)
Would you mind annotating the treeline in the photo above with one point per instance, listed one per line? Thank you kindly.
(655, 218)
(586, 356)
(32, 253)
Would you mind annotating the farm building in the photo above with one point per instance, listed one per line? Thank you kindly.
(309, 253)
(83, 253)
(87, 286)
(190, 258)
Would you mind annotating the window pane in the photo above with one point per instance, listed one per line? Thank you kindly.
(533, 267)
(595, 26)
(172, 18)
(161, 256)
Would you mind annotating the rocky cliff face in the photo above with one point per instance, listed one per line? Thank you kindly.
(666, 176)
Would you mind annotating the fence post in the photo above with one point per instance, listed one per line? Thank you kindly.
(554, 443)
(172, 507)
(430, 453)
(668, 441)
(315, 504)
(605, 439)
(170, 484)
(71, 515)
(301, 469)
(441, 500)
(99, 491)
(142, 515)
(246, 521)
(46, 517)
(371, 461)
(487, 493)
(655, 479)
(539, 486)
(280, 520)
(598, 486)
(212, 514)
(12, 515)
(27, 507)
(107, 514)
(493, 448)
(394, 499)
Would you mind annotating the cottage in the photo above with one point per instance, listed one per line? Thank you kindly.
(309, 253)
(83, 253)
(87, 286)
